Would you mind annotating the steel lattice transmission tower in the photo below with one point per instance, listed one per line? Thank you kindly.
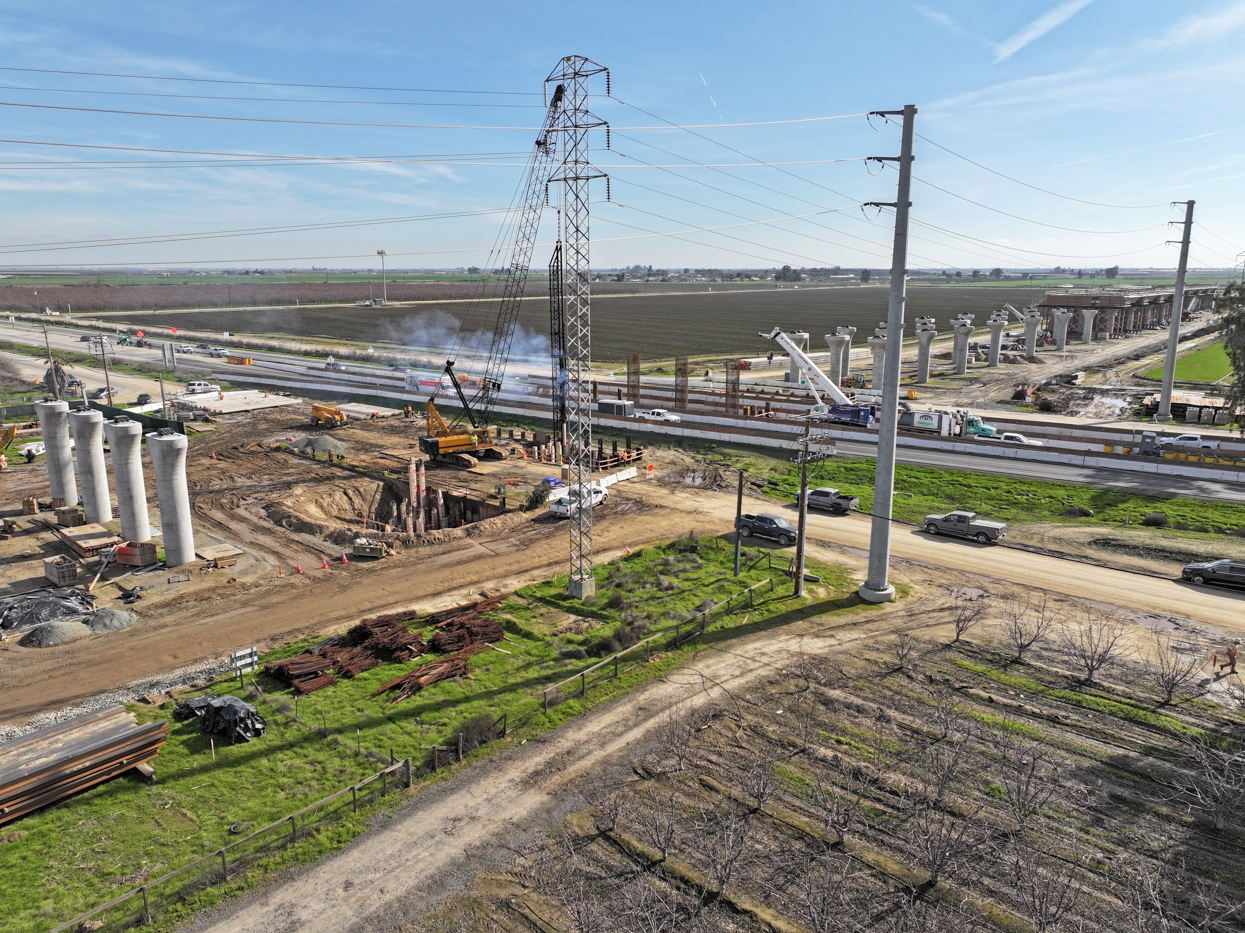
(575, 173)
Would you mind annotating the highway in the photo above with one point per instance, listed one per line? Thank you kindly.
(67, 338)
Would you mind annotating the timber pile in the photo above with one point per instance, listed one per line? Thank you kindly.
(309, 684)
(300, 667)
(349, 662)
(456, 615)
(389, 635)
(467, 632)
(60, 760)
(456, 665)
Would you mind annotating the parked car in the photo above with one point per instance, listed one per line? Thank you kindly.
(75, 383)
(1011, 437)
(101, 394)
(1217, 571)
(204, 346)
(966, 525)
(1196, 441)
(576, 497)
(144, 398)
(770, 526)
(830, 499)
(659, 414)
(183, 348)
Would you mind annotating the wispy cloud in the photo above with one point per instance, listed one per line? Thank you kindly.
(1049, 20)
(1204, 27)
(1116, 155)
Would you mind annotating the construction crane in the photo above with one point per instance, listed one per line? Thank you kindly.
(845, 410)
(458, 440)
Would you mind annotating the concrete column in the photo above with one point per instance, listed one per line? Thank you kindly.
(88, 439)
(1032, 318)
(845, 368)
(795, 374)
(1087, 324)
(1112, 314)
(168, 459)
(54, 423)
(1061, 319)
(925, 334)
(962, 329)
(125, 438)
(996, 325)
(877, 343)
(837, 344)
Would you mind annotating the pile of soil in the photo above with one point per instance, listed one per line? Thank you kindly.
(320, 443)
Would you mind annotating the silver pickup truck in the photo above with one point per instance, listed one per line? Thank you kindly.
(966, 525)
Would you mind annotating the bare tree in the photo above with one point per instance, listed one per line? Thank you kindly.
(723, 832)
(1176, 900)
(1048, 892)
(582, 891)
(817, 888)
(940, 769)
(966, 615)
(942, 846)
(1028, 621)
(1027, 774)
(1095, 641)
(905, 644)
(660, 823)
(758, 780)
(1170, 672)
(946, 714)
(931, 917)
(673, 739)
(1210, 779)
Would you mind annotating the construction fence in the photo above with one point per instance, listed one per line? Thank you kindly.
(140, 904)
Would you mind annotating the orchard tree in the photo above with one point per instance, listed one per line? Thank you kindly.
(1232, 304)
(864, 276)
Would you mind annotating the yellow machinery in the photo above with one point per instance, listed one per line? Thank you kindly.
(7, 435)
(329, 415)
(441, 439)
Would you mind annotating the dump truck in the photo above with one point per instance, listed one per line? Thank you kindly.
(327, 415)
(966, 525)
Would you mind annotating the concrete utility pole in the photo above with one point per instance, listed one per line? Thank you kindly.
(384, 286)
(877, 588)
(56, 393)
(739, 512)
(1173, 331)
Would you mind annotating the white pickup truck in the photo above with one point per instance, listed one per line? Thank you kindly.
(198, 388)
(659, 414)
(594, 494)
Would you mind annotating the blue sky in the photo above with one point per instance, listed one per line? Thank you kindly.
(1118, 103)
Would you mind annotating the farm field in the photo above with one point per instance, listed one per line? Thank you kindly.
(1209, 364)
(915, 783)
(654, 325)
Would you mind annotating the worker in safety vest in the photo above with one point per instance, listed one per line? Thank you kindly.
(1230, 662)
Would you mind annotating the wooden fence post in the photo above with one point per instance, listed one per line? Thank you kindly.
(677, 626)
(546, 699)
(146, 906)
(583, 684)
(647, 657)
(293, 830)
(406, 772)
(224, 865)
(354, 797)
(460, 746)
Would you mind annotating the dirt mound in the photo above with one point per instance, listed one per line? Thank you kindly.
(320, 443)
(51, 634)
(489, 528)
(109, 620)
(698, 477)
(329, 509)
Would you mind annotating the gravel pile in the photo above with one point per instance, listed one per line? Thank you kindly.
(108, 620)
(181, 678)
(320, 443)
(51, 634)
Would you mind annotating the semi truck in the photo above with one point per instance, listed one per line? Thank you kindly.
(944, 423)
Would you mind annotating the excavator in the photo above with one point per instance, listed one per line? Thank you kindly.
(468, 437)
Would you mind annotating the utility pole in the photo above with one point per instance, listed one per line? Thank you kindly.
(801, 534)
(1173, 330)
(103, 355)
(48, 343)
(739, 513)
(164, 406)
(877, 587)
(384, 286)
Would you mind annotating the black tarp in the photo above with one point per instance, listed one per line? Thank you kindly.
(50, 604)
(225, 716)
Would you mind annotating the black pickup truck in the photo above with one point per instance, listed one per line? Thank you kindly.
(765, 525)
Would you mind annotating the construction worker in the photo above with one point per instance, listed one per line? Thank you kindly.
(1230, 663)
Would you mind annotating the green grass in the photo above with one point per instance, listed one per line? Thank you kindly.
(920, 491)
(1209, 364)
(84, 851)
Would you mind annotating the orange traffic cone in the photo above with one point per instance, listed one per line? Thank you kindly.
(324, 563)
(344, 561)
(279, 573)
(298, 568)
